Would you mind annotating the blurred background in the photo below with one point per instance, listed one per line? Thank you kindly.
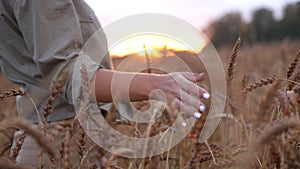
(221, 20)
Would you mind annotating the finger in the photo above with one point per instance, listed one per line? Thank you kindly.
(191, 101)
(191, 87)
(193, 77)
(189, 110)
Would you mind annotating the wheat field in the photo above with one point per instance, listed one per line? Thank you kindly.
(260, 127)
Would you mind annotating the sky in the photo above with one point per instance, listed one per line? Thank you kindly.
(199, 13)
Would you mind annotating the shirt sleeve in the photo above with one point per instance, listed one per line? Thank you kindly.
(44, 38)
(56, 32)
(51, 31)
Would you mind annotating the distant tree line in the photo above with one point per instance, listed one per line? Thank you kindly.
(263, 27)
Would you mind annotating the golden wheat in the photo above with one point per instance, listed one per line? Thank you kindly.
(261, 82)
(235, 50)
(16, 149)
(56, 89)
(267, 139)
(293, 65)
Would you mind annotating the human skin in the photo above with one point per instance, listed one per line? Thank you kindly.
(182, 85)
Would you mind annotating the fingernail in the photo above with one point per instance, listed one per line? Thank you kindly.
(206, 96)
(201, 74)
(202, 108)
(197, 115)
(183, 124)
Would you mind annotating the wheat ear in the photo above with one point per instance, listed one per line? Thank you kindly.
(12, 93)
(56, 89)
(235, 50)
(293, 65)
(267, 135)
(148, 60)
(67, 149)
(41, 141)
(261, 82)
(16, 149)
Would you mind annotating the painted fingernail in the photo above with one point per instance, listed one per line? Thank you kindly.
(201, 74)
(206, 96)
(183, 124)
(197, 115)
(202, 108)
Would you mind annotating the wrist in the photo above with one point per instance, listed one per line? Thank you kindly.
(153, 81)
(165, 83)
(142, 85)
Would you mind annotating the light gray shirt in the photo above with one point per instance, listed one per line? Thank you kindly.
(40, 38)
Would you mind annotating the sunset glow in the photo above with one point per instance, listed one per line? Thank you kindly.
(197, 13)
(153, 43)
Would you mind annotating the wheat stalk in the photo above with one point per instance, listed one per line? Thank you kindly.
(5, 164)
(84, 106)
(211, 152)
(82, 141)
(16, 149)
(41, 141)
(19, 92)
(266, 101)
(56, 130)
(240, 150)
(235, 50)
(293, 65)
(261, 82)
(12, 93)
(56, 89)
(267, 136)
(117, 153)
(5, 149)
(67, 149)
(123, 122)
(223, 163)
(284, 102)
(148, 60)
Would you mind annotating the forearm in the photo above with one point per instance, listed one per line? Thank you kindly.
(122, 86)
(136, 86)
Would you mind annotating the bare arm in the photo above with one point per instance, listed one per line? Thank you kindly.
(140, 85)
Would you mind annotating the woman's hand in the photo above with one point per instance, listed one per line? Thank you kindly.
(187, 93)
(140, 86)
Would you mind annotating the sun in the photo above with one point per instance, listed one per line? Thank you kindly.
(153, 43)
